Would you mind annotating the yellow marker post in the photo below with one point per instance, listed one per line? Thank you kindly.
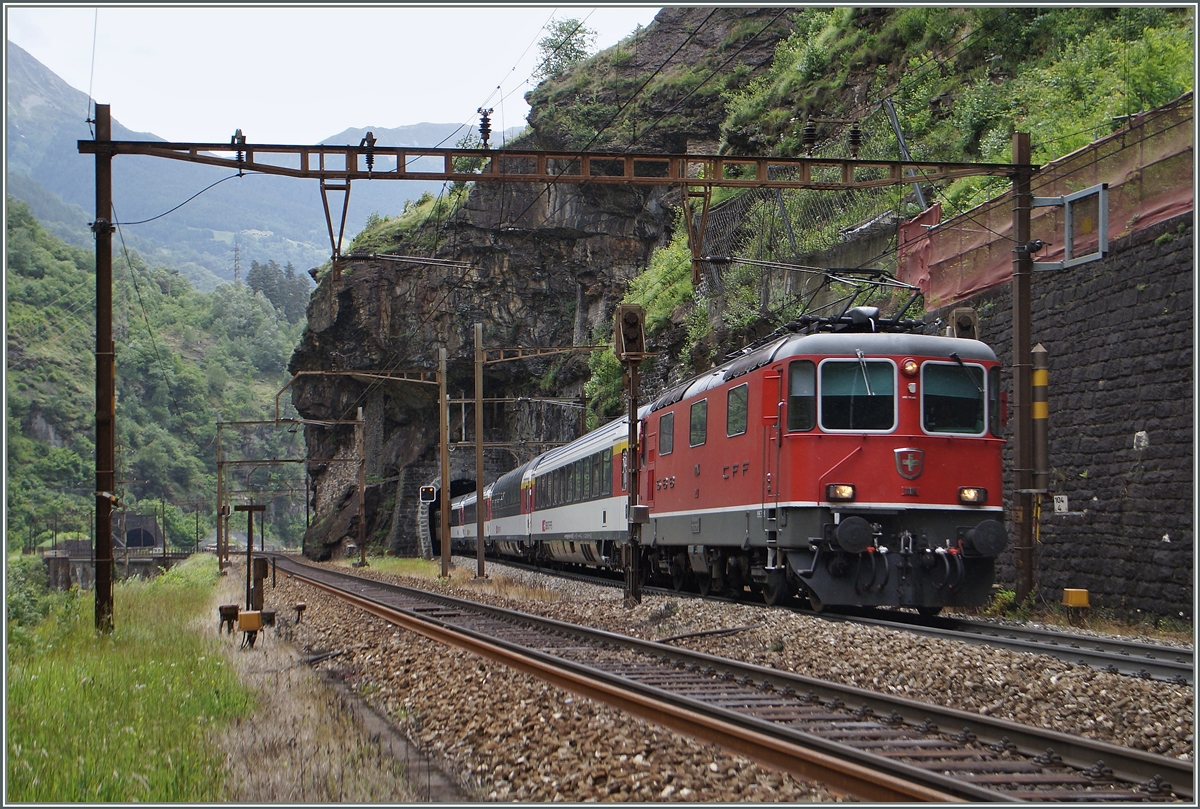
(1040, 410)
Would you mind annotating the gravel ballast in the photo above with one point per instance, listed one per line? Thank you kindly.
(509, 736)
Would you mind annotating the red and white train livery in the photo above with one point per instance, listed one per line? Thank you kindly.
(851, 466)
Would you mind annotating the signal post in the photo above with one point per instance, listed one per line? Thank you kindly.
(629, 344)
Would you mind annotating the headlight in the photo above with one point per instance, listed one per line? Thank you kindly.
(972, 495)
(839, 491)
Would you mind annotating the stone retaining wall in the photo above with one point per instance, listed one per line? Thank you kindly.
(1120, 335)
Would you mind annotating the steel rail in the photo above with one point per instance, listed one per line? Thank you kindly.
(663, 708)
(1130, 765)
(1115, 655)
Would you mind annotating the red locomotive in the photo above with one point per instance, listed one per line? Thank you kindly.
(855, 463)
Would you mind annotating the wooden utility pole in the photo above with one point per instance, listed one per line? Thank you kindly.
(633, 573)
(249, 509)
(106, 373)
(222, 550)
(444, 433)
(360, 430)
(1022, 202)
(479, 515)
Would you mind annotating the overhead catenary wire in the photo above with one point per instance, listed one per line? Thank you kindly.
(500, 219)
(709, 78)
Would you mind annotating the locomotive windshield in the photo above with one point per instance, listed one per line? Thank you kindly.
(858, 395)
(952, 400)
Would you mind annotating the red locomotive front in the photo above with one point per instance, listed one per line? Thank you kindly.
(853, 467)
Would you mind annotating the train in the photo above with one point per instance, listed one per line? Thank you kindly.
(851, 462)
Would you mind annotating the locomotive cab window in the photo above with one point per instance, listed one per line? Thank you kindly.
(802, 396)
(952, 398)
(858, 395)
(698, 423)
(666, 434)
(994, 400)
(735, 412)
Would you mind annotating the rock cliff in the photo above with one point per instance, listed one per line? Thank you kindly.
(537, 266)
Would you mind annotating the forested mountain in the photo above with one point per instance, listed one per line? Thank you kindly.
(185, 359)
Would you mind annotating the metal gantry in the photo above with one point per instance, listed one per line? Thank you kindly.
(336, 167)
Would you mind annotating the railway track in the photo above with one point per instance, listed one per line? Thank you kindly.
(863, 743)
(1111, 654)
(1114, 655)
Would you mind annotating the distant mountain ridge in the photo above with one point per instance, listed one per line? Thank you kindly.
(268, 217)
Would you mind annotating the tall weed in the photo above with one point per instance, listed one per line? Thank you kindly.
(121, 717)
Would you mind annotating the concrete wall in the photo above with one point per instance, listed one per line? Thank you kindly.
(1120, 335)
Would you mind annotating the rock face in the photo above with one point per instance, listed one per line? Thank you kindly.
(540, 266)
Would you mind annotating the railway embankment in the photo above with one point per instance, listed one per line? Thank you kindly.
(506, 736)
(310, 738)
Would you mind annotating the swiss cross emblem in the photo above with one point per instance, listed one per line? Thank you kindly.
(909, 462)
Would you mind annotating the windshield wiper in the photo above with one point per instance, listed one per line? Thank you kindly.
(862, 363)
(954, 356)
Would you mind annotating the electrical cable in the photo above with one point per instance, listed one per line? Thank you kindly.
(615, 115)
(713, 73)
(186, 428)
(189, 199)
(1040, 180)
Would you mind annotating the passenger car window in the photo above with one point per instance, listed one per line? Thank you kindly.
(666, 434)
(858, 395)
(735, 413)
(802, 396)
(698, 423)
(952, 398)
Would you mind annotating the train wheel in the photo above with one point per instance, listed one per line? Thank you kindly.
(815, 602)
(928, 612)
(678, 576)
(776, 589)
(704, 580)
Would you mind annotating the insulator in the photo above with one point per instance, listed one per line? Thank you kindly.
(485, 126)
(810, 135)
(369, 142)
(855, 139)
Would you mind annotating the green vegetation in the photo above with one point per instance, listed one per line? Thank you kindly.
(566, 43)
(962, 81)
(185, 360)
(664, 290)
(382, 233)
(286, 291)
(608, 104)
(122, 717)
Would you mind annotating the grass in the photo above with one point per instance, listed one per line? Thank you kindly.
(121, 717)
(1095, 619)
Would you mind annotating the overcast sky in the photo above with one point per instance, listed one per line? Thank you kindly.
(298, 74)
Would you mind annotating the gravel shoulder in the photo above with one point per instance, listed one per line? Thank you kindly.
(309, 740)
(506, 736)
